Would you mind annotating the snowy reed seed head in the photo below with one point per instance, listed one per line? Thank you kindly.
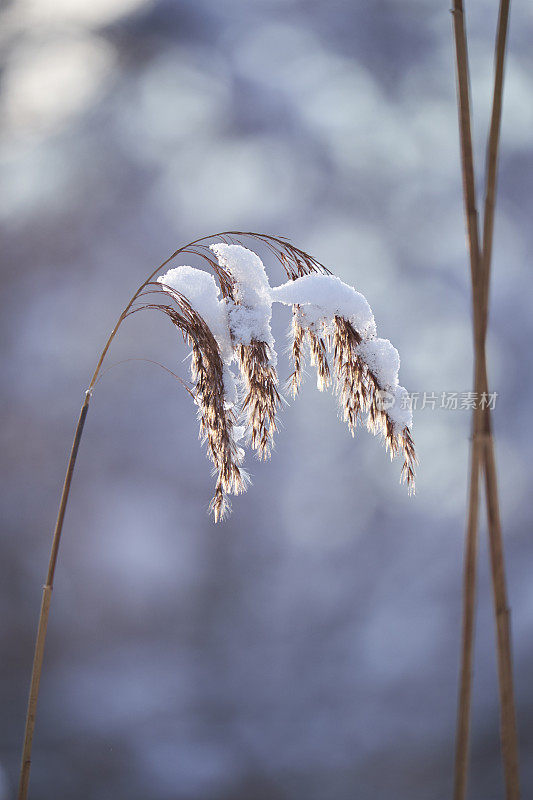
(230, 323)
(215, 413)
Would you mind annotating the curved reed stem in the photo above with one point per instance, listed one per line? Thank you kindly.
(295, 262)
(45, 609)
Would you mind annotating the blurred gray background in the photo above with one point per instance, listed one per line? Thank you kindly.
(307, 648)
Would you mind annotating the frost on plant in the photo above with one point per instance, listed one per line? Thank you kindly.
(249, 312)
(336, 319)
(233, 356)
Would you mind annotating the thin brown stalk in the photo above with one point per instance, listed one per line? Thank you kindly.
(469, 574)
(469, 579)
(493, 149)
(45, 609)
(482, 455)
(508, 726)
(462, 739)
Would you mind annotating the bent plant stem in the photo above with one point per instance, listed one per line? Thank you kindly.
(45, 608)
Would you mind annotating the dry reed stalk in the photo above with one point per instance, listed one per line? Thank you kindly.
(482, 455)
(207, 369)
(493, 148)
(467, 631)
(508, 725)
(469, 580)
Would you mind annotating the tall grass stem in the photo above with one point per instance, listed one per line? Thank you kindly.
(482, 454)
(45, 609)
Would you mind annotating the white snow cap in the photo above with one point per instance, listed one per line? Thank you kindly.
(250, 315)
(383, 359)
(246, 268)
(202, 292)
(326, 296)
(401, 412)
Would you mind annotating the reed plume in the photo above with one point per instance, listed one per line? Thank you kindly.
(217, 417)
(298, 334)
(363, 396)
(367, 392)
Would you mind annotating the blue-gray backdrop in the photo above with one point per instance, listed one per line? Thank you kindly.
(307, 648)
